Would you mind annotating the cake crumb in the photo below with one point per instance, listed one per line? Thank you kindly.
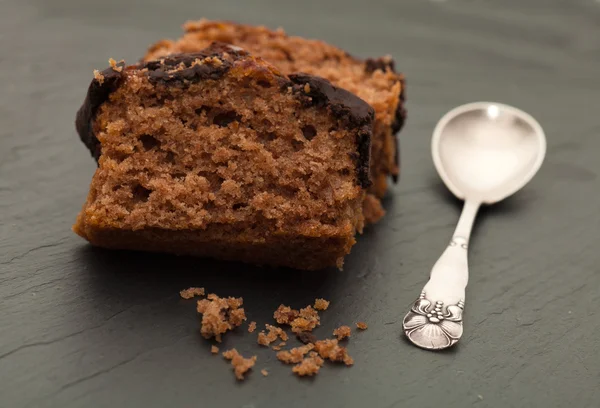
(114, 66)
(264, 339)
(309, 366)
(307, 321)
(342, 332)
(294, 355)
(240, 364)
(307, 88)
(285, 314)
(264, 372)
(98, 76)
(329, 349)
(321, 304)
(306, 337)
(279, 346)
(214, 350)
(362, 325)
(220, 315)
(251, 327)
(191, 292)
(304, 320)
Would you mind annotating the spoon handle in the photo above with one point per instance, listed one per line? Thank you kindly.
(435, 319)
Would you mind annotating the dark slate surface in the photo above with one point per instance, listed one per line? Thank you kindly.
(81, 327)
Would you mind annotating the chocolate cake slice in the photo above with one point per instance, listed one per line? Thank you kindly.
(373, 80)
(216, 153)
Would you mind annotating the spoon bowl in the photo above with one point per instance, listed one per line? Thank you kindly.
(487, 151)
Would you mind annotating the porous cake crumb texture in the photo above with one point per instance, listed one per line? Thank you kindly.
(321, 304)
(294, 355)
(342, 332)
(309, 366)
(264, 339)
(240, 364)
(362, 325)
(191, 292)
(220, 315)
(329, 349)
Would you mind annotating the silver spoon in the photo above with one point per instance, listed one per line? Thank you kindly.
(484, 152)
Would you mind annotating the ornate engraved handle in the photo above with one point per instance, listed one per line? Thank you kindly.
(435, 319)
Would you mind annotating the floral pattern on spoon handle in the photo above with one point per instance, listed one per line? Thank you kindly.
(435, 320)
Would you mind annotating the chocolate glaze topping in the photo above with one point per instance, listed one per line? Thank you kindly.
(373, 64)
(97, 94)
(169, 70)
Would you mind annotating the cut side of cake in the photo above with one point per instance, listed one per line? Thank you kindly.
(373, 80)
(217, 153)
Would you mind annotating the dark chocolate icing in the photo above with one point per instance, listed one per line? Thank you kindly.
(168, 70)
(97, 94)
(373, 64)
(348, 108)
(363, 162)
(343, 104)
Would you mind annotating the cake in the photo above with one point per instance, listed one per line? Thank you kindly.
(218, 153)
(373, 80)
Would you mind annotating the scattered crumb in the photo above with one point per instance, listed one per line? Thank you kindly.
(480, 397)
(307, 88)
(294, 355)
(321, 304)
(342, 332)
(279, 346)
(264, 372)
(262, 339)
(191, 292)
(362, 325)
(239, 363)
(271, 336)
(214, 349)
(220, 315)
(280, 332)
(306, 337)
(114, 66)
(329, 349)
(309, 365)
(285, 314)
(308, 320)
(251, 327)
(98, 76)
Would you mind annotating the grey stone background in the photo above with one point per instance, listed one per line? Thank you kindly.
(81, 327)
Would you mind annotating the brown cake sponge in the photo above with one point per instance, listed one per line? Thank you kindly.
(217, 153)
